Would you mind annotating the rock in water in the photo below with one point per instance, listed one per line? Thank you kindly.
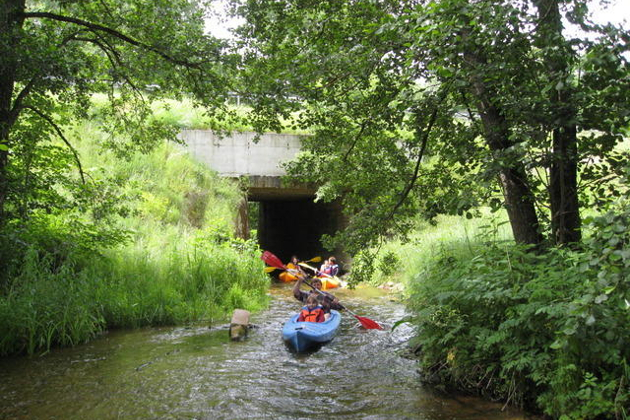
(239, 325)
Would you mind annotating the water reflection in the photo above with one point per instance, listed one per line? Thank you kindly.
(197, 373)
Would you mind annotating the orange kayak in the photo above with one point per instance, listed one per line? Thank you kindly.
(330, 283)
(286, 277)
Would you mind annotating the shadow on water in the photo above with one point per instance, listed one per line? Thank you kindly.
(198, 373)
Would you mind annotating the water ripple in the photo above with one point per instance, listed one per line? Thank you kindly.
(197, 373)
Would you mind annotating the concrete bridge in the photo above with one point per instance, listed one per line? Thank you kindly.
(289, 221)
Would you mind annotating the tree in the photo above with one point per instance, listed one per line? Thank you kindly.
(421, 106)
(563, 183)
(57, 54)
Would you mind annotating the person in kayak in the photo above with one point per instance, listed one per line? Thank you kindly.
(329, 267)
(327, 300)
(294, 267)
(312, 312)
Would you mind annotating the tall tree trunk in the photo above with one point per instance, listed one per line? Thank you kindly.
(10, 25)
(519, 199)
(563, 192)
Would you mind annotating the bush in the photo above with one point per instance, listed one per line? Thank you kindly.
(543, 331)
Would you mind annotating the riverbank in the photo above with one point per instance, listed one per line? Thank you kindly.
(152, 244)
(545, 331)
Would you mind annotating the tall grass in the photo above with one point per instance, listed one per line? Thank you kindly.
(177, 285)
(44, 308)
(181, 262)
(428, 242)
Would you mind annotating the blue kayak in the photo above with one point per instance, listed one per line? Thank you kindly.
(303, 336)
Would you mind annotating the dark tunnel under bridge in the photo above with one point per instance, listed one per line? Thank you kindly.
(290, 222)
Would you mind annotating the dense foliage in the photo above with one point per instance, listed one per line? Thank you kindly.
(179, 261)
(545, 331)
(57, 54)
(416, 108)
(420, 108)
(95, 232)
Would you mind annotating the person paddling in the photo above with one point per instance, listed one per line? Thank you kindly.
(327, 300)
(294, 266)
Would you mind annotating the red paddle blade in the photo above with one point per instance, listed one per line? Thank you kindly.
(367, 323)
(272, 260)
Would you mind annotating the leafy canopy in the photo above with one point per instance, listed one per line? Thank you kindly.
(421, 107)
(55, 56)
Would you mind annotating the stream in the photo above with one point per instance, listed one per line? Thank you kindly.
(198, 373)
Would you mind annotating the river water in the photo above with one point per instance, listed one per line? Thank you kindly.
(197, 373)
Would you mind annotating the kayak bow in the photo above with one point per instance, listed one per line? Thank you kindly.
(303, 336)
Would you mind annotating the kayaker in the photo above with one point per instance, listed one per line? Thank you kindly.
(329, 267)
(327, 300)
(312, 312)
(294, 266)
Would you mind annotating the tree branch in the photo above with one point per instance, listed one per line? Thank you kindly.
(17, 103)
(112, 55)
(100, 28)
(50, 121)
(356, 139)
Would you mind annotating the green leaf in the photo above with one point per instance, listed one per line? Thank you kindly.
(401, 321)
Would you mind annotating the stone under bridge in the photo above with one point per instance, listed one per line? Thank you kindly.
(289, 221)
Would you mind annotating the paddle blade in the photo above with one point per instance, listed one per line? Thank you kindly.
(272, 260)
(367, 323)
(270, 269)
(316, 259)
(308, 266)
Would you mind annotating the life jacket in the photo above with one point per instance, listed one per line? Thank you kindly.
(334, 269)
(315, 315)
(331, 270)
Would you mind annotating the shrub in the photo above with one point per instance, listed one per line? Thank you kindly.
(544, 331)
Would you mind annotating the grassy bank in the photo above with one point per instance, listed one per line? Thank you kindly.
(401, 262)
(183, 114)
(151, 244)
(545, 331)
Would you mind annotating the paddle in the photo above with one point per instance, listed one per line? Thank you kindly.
(274, 261)
(367, 323)
(315, 259)
(316, 271)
